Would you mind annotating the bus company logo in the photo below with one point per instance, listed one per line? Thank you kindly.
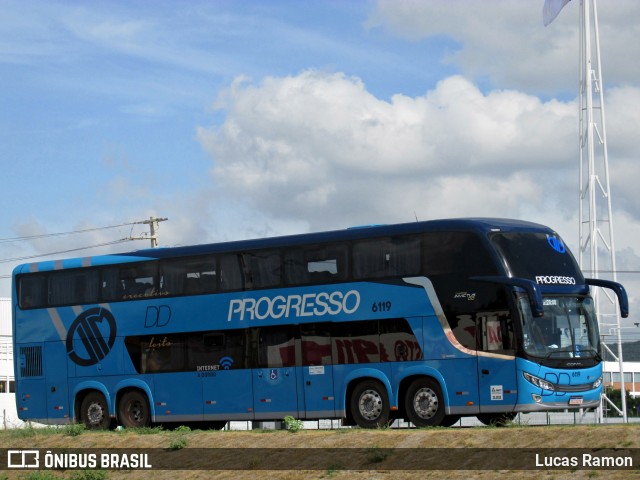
(554, 280)
(91, 336)
(556, 244)
(297, 306)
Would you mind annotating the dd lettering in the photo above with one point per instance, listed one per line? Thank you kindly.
(157, 316)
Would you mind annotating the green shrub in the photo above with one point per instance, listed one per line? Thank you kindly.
(293, 424)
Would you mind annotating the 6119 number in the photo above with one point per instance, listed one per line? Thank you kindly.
(381, 306)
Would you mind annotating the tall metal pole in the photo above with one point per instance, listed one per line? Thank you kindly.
(597, 247)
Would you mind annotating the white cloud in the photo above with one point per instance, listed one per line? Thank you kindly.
(506, 41)
(319, 146)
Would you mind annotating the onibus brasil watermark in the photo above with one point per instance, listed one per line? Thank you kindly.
(35, 459)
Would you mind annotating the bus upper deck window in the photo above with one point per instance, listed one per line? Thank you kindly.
(33, 291)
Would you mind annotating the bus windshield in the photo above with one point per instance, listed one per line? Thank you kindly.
(568, 328)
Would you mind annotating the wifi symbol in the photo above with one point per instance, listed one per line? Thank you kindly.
(226, 362)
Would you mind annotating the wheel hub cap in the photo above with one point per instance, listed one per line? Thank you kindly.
(370, 404)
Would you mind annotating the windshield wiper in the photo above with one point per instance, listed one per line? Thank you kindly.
(594, 352)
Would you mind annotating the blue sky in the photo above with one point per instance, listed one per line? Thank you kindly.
(240, 119)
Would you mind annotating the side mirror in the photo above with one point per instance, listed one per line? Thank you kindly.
(620, 291)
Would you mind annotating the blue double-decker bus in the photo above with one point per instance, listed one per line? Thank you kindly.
(426, 321)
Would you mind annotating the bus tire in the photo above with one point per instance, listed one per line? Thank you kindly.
(449, 420)
(133, 410)
(424, 403)
(370, 404)
(94, 411)
(496, 419)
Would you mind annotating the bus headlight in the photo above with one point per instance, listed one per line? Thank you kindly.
(597, 383)
(539, 382)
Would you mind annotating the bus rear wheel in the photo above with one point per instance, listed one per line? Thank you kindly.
(133, 410)
(94, 412)
(370, 405)
(424, 403)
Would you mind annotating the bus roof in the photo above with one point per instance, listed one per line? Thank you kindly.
(480, 225)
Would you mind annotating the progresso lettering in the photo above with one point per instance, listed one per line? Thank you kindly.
(307, 305)
(555, 280)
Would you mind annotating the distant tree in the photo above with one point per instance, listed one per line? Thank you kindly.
(633, 404)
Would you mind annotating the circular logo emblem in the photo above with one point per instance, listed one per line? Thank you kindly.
(91, 336)
(556, 244)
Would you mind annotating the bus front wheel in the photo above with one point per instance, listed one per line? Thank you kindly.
(370, 404)
(133, 410)
(94, 412)
(496, 419)
(424, 403)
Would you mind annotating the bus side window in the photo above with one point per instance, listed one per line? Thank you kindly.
(355, 342)
(277, 347)
(295, 268)
(188, 276)
(497, 332)
(386, 257)
(315, 339)
(230, 272)
(139, 280)
(263, 267)
(327, 264)
(112, 288)
(205, 350)
(129, 282)
(163, 353)
(33, 291)
(398, 342)
(74, 287)
(458, 253)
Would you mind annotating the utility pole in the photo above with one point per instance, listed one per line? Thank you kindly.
(153, 226)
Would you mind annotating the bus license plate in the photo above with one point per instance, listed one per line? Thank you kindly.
(575, 401)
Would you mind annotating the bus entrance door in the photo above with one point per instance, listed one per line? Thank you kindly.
(496, 363)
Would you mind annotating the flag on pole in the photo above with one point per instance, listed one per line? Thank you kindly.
(551, 10)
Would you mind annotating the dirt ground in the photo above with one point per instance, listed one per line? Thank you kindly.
(345, 453)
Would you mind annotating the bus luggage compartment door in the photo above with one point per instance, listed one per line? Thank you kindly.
(228, 394)
(55, 371)
(318, 392)
(275, 393)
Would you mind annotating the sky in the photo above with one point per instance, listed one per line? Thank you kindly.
(246, 119)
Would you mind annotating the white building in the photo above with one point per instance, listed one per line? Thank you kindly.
(8, 412)
(631, 376)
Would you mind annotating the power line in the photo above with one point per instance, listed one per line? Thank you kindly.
(153, 236)
(29, 257)
(611, 271)
(47, 235)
